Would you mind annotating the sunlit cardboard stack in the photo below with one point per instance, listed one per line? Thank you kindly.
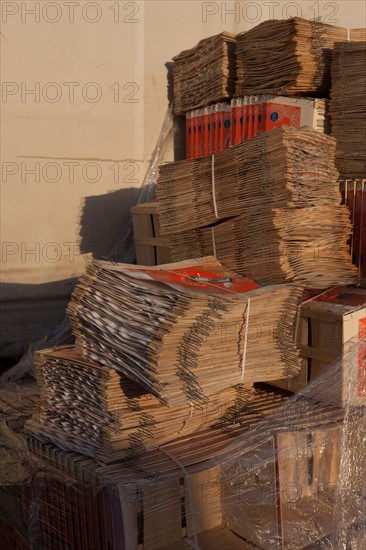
(281, 193)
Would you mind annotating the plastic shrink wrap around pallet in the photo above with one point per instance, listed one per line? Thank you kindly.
(293, 480)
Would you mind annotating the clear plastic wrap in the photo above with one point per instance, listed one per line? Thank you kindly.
(122, 251)
(124, 248)
(293, 480)
(300, 480)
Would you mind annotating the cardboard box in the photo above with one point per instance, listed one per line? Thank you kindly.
(294, 112)
(151, 249)
(330, 324)
(245, 118)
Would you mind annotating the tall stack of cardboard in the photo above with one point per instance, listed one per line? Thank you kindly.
(281, 191)
(191, 337)
(287, 57)
(204, 74)
(347, 109)
(201, 201)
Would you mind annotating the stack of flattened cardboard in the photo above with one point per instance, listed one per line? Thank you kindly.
(348, 108)
(306, 245)
(204, 74)
(185, 331)
(287, 57)
(95, 410)
(219, 240)
(285, 167)
(280, 190)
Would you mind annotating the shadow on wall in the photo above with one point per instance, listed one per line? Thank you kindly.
(103, 220)
(170, 81)
(30, 312)
(179, 122)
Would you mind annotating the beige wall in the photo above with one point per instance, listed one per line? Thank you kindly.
(43, 221)
(111, 130)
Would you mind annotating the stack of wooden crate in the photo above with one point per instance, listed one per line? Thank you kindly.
(272, 490)
(151, 247)
(330, 324)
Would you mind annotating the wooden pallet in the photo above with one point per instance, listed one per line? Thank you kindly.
(151, 248)
(117, 511)
(165, 502)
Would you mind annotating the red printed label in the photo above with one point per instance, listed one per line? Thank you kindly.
(282, 115)
(342, 298)
(205, 277)
(362, 358)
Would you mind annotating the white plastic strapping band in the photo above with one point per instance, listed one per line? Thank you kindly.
(193, 543)
(245, 341)
(213, 186)
(213, 241)
(186, 422)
